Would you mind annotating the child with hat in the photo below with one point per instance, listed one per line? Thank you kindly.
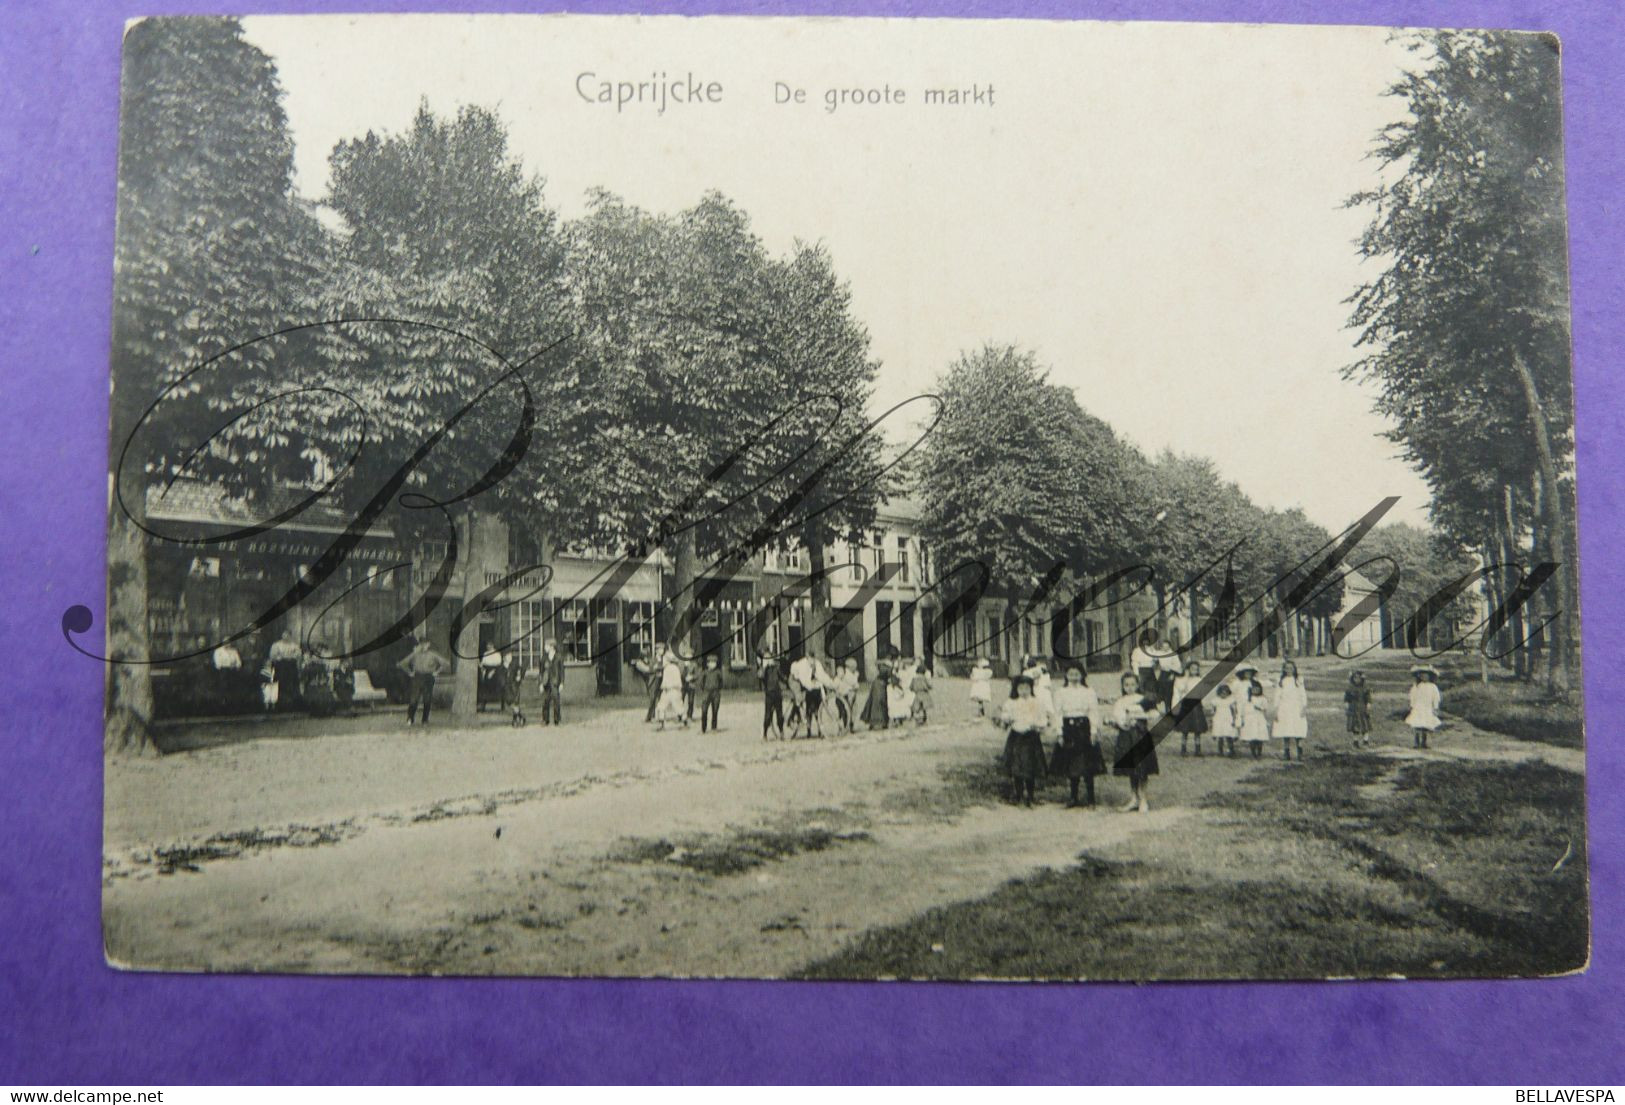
(1424, 715)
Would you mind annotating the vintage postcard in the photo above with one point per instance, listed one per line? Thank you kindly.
(841, 498)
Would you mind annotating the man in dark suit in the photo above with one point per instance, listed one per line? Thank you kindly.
(552, 676)
(650, 668)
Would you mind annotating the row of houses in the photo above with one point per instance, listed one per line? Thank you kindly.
(602, 612)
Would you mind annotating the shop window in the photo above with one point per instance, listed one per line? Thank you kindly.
(640, 628)
(574, 628)
(532, 620)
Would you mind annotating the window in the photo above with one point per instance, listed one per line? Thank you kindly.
(640, 629)
(530, 633)
(737, 653)
(573, 627)
(854, 557)
(902, 559)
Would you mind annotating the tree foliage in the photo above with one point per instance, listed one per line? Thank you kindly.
(1017, 477)
(212, 250)
(1465, 327)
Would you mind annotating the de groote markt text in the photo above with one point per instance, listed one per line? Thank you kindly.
(661, 91)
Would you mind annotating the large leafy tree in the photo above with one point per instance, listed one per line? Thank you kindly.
(1199, 527)
(676, 352)
(1466, 323)
(450, 270)
(212, 251)
(1019, 479)
(831, 474)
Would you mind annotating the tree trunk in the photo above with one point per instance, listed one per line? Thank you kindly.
(687, 569)
(816, 640)
(128, 685)
(1559, 634)
(465, 686)
(1509, 554)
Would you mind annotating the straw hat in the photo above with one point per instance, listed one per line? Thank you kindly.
(1418, 669)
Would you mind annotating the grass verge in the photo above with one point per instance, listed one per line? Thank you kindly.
(1520, 710)
(1346, 868)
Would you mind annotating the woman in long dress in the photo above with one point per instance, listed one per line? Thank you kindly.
(874, 707)
(1424, 716)
(1136, 756)
(1291, 710)
(670, 706)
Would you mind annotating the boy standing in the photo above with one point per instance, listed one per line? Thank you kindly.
(710, 693)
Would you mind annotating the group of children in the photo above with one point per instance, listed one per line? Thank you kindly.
(891, 700)
(676, 686)
(1241, 711)
(1088, 732)
(1236, 711)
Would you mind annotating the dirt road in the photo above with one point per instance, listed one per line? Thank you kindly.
(600, 848)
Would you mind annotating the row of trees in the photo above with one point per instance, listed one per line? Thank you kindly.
(1019, 478)
(1466, 323)
(625, 380)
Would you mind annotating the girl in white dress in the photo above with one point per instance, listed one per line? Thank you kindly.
(1224, 719)
(670, 706)
(981, 685)
(1424, 715)
(899, 699)
(1036, 670)
(1254, 718)
(1291, 710)
(1241, 681)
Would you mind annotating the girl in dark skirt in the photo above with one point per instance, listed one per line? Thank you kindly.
(1079, 755)
(1135, 757)
(1357, 705)
(1025, 719)
(1188, 707)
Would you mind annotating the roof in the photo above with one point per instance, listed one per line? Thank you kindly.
(210, 504)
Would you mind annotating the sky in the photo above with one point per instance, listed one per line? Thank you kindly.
(1155, 210)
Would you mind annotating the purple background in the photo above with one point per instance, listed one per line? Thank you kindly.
(65, 1018)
